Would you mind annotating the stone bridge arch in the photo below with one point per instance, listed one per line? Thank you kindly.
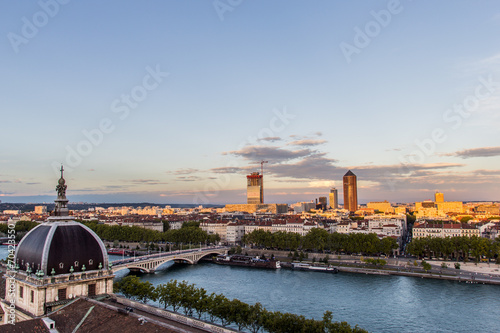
(150, 265)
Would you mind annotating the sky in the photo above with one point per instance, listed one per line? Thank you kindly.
(176, 101)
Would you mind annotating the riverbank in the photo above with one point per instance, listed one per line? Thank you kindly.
(469, 272)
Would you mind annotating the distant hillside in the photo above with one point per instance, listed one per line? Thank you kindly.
(79, 206)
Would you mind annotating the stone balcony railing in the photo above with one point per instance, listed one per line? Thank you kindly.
(63, 278)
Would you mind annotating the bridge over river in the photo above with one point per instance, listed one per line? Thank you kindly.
(150, 263)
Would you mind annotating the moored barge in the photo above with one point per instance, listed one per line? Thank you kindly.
(246, 261)
(308, 267)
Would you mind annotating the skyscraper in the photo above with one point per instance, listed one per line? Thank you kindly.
(439, 197)
(255, 188)
(334, 198)
(350, 192)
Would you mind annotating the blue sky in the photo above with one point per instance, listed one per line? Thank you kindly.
(176, 101)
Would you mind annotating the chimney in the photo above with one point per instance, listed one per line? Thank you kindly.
(50, 324)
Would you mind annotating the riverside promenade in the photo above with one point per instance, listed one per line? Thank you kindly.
(485, 273)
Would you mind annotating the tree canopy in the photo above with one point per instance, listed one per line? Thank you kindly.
(320, 240)
(219, 309)
(455, 247)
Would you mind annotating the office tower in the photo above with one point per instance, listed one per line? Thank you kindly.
(255, 188)
(334, 198)
(322, 203)
(439, 197)
(350, 192)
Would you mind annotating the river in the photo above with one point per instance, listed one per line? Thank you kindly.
(375, 303)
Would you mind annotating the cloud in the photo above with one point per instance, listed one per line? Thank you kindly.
(34, 183)
(477, 152)
(487, 172)
(227, 170)
(146, 181)
(493, 60)
(273, 154)
(271, 139)
(113, 187)
(300, 137)
(315, 166)
(185, 171)
(306, 142)
(188, 178)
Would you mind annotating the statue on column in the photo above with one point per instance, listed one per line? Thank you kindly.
(61, 186)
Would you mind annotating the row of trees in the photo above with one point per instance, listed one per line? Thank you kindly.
(320, 240)
(189, 234)
(217, 308)
(454, 248)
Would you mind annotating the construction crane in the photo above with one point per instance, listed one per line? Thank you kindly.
(262, 181)
(262, 167)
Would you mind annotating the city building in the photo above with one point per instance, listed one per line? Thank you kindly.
(255, 189)
(439, 197)
(334, 198)
(11, 212)
(491, 210)
(41, 210)
(322, 203)
(490, 230)
(400, 210)
(394, 226)
(443, 230)
(256, 208)
(350, 192)
(446, 207)
(381, 206)
(302, 207)
(232, 231)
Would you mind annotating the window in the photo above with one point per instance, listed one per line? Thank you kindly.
(61, 294)
(32, 297)
(92, 289)
(21, 292)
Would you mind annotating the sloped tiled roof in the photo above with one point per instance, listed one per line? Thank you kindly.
(91, 316)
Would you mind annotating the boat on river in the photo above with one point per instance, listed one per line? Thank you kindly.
(246, 261)
(309, 267)
(120, 252)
